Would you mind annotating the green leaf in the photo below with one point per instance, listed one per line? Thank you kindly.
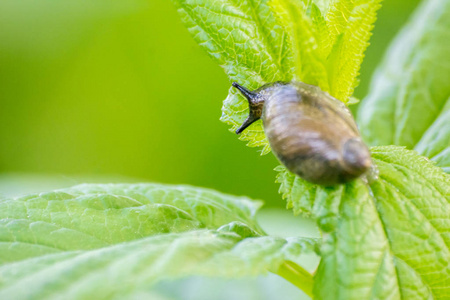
(104, 241)
(349, 24)
(386, 240)
(304, 37)
(435, 142)
(93, 216)
(134, 265)
(408, 104)
(262, 41)
(246, 40)
(264, 287)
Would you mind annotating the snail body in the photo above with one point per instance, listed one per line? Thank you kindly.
(313, 134)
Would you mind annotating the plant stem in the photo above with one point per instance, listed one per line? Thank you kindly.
(297, 276)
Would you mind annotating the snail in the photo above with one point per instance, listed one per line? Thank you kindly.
(313, 134)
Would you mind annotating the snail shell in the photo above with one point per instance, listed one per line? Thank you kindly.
(313, 134)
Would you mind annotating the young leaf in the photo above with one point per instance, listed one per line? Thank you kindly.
(309, 65)
(255, 47)
(409, 101)
(104, 241)
(386, 240)
(247, 41)
(349, 24)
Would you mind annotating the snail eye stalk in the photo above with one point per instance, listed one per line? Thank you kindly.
(245, 92)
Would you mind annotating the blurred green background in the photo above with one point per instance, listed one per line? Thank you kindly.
(118, 91)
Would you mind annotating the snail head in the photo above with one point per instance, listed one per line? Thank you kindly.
(255, 104)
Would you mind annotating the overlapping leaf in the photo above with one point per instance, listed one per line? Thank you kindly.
(409, 101)
(262, 41)
(93, 216)
(309, 65)
(349, 25)
(435, 142)
(104, 241)
(135, 265)
(247, 41)
(386, 240)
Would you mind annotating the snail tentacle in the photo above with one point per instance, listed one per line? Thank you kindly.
(255, 104)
